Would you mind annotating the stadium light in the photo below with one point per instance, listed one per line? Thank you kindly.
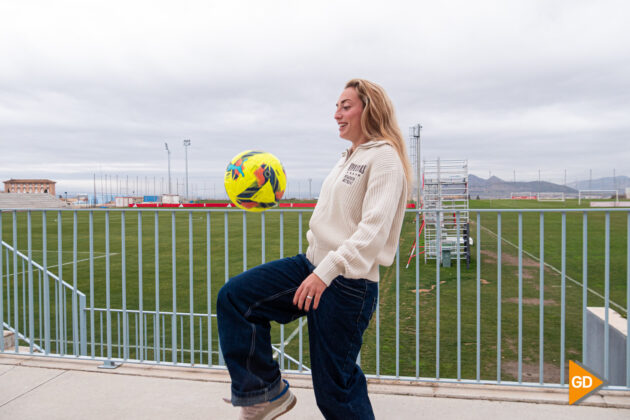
(169, 167)
(416, 135)
(186, 146)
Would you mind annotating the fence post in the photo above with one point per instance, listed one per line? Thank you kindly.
(1, 289)
(82, 325)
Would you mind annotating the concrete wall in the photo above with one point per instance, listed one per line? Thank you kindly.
(9, 340)
(618, 331)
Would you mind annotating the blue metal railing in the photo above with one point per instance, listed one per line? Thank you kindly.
(32, 269)
(127, 325)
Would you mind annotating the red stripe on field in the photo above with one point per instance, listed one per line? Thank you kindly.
(184, 205)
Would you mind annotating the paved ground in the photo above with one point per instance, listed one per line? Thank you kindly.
(46, 388)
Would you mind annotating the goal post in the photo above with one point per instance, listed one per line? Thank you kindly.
(551, 196)
(597, 195)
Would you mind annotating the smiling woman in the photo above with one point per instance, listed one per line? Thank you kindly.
(378, 121)
(348, 116)
(353, 230)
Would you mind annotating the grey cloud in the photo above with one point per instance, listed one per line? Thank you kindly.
(87, 89)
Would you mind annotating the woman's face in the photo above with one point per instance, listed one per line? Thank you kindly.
(348, 116)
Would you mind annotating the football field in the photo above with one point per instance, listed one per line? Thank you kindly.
(166, 261)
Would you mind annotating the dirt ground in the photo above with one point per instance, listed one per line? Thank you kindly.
(532, 301)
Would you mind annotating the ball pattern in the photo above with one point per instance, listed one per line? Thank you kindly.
(255, 181)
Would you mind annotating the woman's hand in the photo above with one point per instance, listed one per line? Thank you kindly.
(310, 291)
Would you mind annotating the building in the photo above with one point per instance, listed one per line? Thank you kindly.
(30, 186)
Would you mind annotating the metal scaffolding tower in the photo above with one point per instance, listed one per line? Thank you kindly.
(445, 188)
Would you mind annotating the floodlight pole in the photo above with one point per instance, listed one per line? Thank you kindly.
(416, 135)
(94, 200)
(186, 146)
(169, 167)
(565, 177)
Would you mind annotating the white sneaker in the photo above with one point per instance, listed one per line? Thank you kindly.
(269, 410)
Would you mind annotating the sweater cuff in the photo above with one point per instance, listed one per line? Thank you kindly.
(327, 270)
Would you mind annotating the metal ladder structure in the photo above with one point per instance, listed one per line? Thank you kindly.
(445, 191)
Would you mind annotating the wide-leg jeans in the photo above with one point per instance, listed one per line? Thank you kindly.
(249, 301)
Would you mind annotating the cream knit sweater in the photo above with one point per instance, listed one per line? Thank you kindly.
(357, 220)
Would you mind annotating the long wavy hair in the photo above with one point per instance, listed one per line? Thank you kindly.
(378, 120)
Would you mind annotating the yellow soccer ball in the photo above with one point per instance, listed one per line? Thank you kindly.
(255, 181)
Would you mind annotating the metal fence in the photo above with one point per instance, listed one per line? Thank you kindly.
(139, 286)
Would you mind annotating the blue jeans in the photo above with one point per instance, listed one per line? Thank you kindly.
(249, 301)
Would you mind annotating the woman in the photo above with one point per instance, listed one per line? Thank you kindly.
(354, 229)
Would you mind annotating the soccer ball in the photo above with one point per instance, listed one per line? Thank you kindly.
(255, 181)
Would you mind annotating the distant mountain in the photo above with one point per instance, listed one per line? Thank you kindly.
(495, 187)
(620, 183)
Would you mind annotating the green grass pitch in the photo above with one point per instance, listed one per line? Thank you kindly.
(275, 248)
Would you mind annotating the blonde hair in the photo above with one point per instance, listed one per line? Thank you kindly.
(378, 120)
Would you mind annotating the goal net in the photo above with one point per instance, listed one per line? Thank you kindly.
(597, 195)
(551, 196)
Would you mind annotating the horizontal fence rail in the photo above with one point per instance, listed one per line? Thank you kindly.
(510, 301)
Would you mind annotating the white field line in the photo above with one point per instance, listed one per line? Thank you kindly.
(291, 337)
(67, 252)
(66, 263)
(294, 333)
(616, 305)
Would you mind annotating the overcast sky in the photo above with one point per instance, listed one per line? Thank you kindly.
(98, 86)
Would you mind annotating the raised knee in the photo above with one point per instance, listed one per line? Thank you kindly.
(223, 296)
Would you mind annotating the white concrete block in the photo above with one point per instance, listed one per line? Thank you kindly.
(595, 336)
(9, 340)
